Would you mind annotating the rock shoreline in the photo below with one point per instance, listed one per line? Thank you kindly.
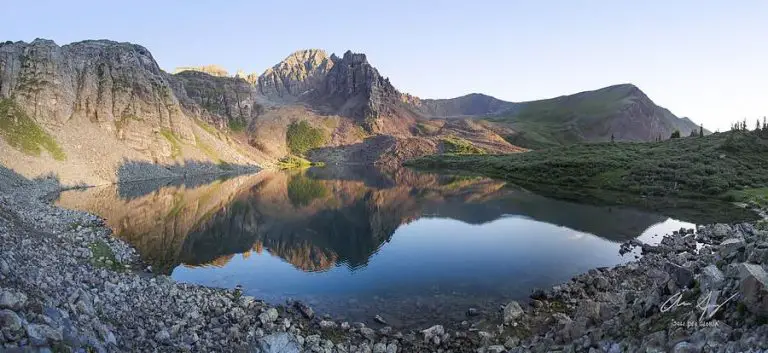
(67, 285)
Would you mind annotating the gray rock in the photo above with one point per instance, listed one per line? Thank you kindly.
(392, 348)
(758, 255)
(10, 325)
(273, 314)
(730, 248)
(12, 299)
(685, 347)
(367, 332)
(754, 288)
(5, 269)
(305, 310)
(512, 342)
(380, 319)
(40, 335)
(281, 342)
(512, 311)
(312, 340)
(682, 276)
(720, 230)
(163, 336)
(589, 310)
(379, 348)
(711, 278)
(655, 342)
(327, 324)
(268, 316)
(433, 334)
(496, 349)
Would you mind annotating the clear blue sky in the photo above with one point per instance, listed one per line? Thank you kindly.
(699, 58)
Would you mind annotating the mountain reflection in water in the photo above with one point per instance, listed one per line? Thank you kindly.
(334, 221)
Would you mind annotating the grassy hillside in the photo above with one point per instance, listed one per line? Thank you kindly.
(621, 110)
(23, 133)
(727, 166)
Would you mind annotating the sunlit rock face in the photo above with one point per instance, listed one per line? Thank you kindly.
(296, 76)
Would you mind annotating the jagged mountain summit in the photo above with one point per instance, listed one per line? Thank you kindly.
(298, 74)
(86, 110)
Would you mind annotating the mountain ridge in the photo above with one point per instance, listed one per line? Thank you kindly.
(133, 110)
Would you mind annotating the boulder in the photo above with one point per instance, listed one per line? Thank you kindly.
(163, 336)
(41, 335)
(281, 342)
(433, 334)
(379, 348)
(12, 299)
(711, 278)
(754, 288)
(305, 310)
(731, 248)
(512, 312)
(10, 325)
(589, 310)
(496, 349)
(720, 230)
(327, 324)
(682, 276)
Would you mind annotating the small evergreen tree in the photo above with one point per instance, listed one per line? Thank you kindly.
(675, 135)
(757, 126)
(701, 130)
(692, 134)
(612, 138)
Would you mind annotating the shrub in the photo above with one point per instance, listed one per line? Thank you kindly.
(295, 162)
(173, 141)
(237, 125)
(460, 146)
(302, 137)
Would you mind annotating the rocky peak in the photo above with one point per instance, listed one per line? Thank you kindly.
(355, 88)
(353, 58)
(298, 74)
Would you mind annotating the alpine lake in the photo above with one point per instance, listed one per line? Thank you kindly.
(414, 248)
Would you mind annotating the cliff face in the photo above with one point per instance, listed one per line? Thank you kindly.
(103, 104)
(222, 101)
(97, 81)
(355, 89)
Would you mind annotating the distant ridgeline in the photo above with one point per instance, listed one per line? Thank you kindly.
(213, 70)
(111, 97)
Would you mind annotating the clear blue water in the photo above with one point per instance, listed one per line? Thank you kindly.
(413, 248)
